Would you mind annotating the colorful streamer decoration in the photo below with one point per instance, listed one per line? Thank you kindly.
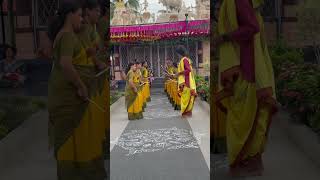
(165, 31)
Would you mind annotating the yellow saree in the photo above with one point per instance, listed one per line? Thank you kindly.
(90, 38)
(248, 105)
(133, 105)
(139, 81)
(188, 94)
(72, 128)
(171, 86)
(146, 86)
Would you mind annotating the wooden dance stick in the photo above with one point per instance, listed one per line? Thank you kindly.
(100, 108)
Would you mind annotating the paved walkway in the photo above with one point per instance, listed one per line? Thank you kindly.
(283, 159)
(162, 146)
(24, 152)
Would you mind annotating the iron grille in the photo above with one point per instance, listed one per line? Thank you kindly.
(45, 9)
(151, 54)
(269, 9)
(155, 60)
(124, 56)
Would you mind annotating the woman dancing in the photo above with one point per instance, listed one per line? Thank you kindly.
(186, 82)
(77, 151)
(133, 105)
(246, 92)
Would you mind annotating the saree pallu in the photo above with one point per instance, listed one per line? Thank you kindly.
(72, 128)
(248, 105)
(187, 101)
(188, 94)
(90, 38)
(146, 86)
(141, 97)
(132, 103)
(146, 92)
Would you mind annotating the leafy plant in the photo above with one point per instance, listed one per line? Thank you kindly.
(297, 84)
(114, 96)
(15, 109)
(203, 87)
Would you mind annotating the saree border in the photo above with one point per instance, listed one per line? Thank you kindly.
(272, 110)
(264, 99)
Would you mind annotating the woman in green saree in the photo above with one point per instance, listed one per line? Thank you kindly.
(246, 87)
(76, 148)
(133, 105)
(90, 39)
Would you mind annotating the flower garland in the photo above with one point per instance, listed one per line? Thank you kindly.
(164, 31)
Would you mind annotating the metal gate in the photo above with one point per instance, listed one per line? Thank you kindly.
(42, 10)
(155, 54)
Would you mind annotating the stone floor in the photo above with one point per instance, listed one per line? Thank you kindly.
(283, 160)
(162, 146)
(24, 153)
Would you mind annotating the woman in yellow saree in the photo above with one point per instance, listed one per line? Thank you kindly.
(94, 46)
(170, 79)
(139, 80)
(186, 82)
(174, 83)
(146, 86)
(245, 86)
(77, 149)
(134, 108)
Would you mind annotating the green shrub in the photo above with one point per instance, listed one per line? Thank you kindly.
(15, 109)
(282, 55)
(297, 84)
(114, 96)
(203, 87)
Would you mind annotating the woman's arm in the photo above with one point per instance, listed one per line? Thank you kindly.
(248, 23)
(67, 47)
(131, 83)
(187, 70)
(70, 73)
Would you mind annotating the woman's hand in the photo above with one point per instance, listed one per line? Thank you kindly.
(83, 92)
(135, 90)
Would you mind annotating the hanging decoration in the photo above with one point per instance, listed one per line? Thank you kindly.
(154, 32)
